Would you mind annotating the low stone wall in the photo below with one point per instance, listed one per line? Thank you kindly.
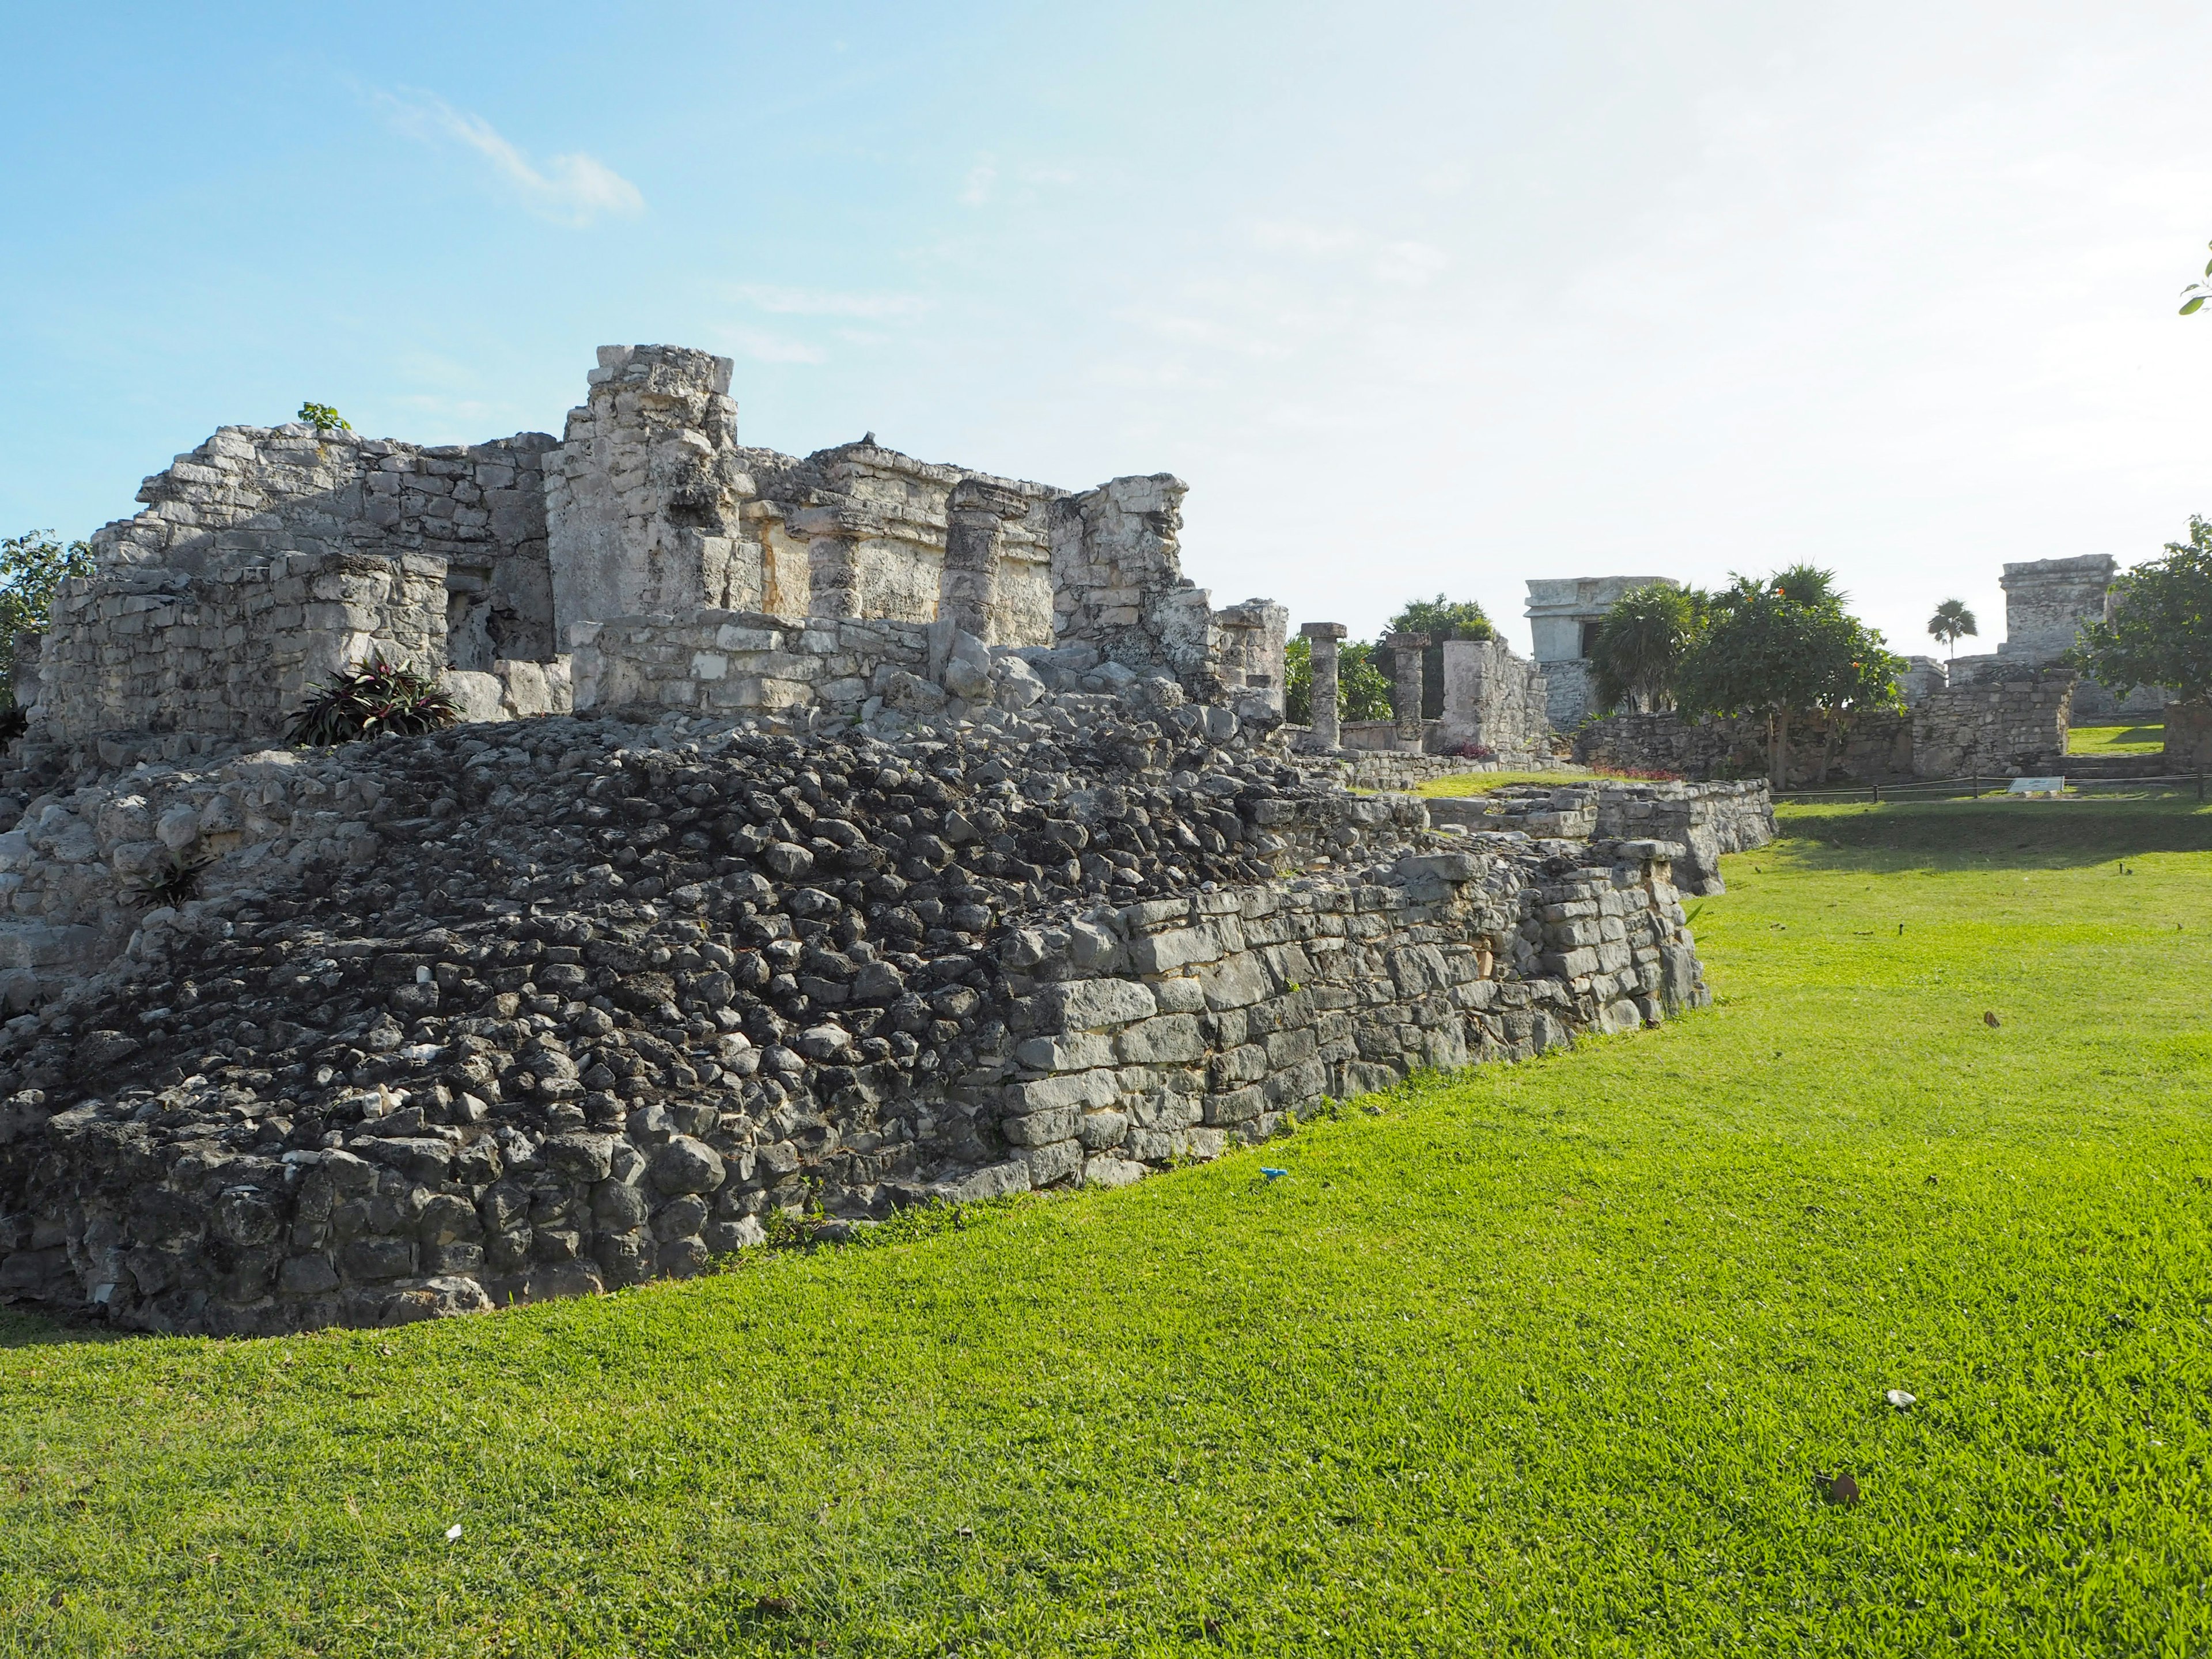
(1702, 820)
(1872, 747)
(738, 661)
(1492, 700)
(1996, 727)
(1355, 769)
(232, 648)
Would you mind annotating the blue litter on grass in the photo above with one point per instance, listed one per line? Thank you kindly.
(1271, 1174)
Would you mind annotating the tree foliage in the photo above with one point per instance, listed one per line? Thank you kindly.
(2160, 629)
(1641, 644)
(1362, 693)
(2194, 296)
(31, 566)
(1441, 619)
(1952, 622)
(322, 417)
(1786, 648)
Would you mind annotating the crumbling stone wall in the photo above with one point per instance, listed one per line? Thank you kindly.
(1118, 581)
(2007, 726)
(249, 493)
(1874, 747)
(575, 1003)
(231, 646)
(1702, 821)
(1492, 700)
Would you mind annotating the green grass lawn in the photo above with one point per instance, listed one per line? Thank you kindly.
(2115, 739)
(1542, 1360)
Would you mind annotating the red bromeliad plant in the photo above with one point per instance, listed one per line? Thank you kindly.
(371, 700)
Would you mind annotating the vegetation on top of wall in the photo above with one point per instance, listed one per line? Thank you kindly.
(371, 700)
(1785, 648)
(1641, 644)
(2160, 629)
(322, 417)
(1441, 619)
(32, 565)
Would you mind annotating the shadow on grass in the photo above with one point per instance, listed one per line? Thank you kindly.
(1996, 831)
(19, 1329)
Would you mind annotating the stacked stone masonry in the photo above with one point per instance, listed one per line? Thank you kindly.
(510, 1012)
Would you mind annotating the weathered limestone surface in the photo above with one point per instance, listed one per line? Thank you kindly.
(1872, 747)
(1995, 727)
(1703, 820)
(565, 1004)
(231, 646)
(1493, 700)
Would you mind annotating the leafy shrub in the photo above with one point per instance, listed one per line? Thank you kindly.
(322, 417)
(1474, 751)
(171, 884)
(369, 702)
(32, 565)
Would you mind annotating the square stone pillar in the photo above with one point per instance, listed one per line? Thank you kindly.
(969, 589)
(1408, 659)
(1322, 638)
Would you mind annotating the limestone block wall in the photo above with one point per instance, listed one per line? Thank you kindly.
(1701, 820)
(232, 646)
(1998, 727)
(1873, 747)
(1167, 1029)
(718, 661)
(1118, 581)
(1493, 700)
(249, 493)
(2188, 737)
(643, 495)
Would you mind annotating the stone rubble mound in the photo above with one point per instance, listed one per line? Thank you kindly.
(691, 976)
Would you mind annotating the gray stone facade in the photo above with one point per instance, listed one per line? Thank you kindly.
(2047, 601)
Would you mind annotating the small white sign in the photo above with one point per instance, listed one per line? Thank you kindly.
(2037, 787)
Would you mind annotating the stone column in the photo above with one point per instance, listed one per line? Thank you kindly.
(969, 591)
(1406, 656)
(1322, 638)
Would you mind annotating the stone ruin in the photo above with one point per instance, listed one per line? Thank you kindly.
(2047, 601)
(887, 834)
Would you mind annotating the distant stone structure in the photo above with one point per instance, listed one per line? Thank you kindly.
(1563, 614)
(2046, 603)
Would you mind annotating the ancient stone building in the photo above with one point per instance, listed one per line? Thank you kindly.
(1563, 614)
(268, 558)
(2046, 603)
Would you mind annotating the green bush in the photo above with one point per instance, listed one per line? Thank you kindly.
(370, 701)
(32, 565)
(322, 417)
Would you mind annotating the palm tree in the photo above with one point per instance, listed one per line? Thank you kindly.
(1952, 622)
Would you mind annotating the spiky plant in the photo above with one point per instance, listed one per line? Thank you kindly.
(371, 700)
(169, 883)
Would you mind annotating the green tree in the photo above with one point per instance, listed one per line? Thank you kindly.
(1362, 692)
(1786, 649)
(1952, 622)
(1640, 647)
(322, 417)
(32, 565)
(1441, 619)
(2160, 629)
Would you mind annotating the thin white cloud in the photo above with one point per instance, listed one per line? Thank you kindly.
(976, 190)
(822, 302)
(765, 348)
(1292, 236)
(570, 190)
(1408, 265)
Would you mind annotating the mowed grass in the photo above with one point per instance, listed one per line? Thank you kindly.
(2115, 739)
(1542, 1360)
(1481, 783)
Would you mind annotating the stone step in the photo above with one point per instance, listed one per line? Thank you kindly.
(2098, 767)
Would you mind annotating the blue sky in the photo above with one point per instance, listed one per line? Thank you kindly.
(1416, 297)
